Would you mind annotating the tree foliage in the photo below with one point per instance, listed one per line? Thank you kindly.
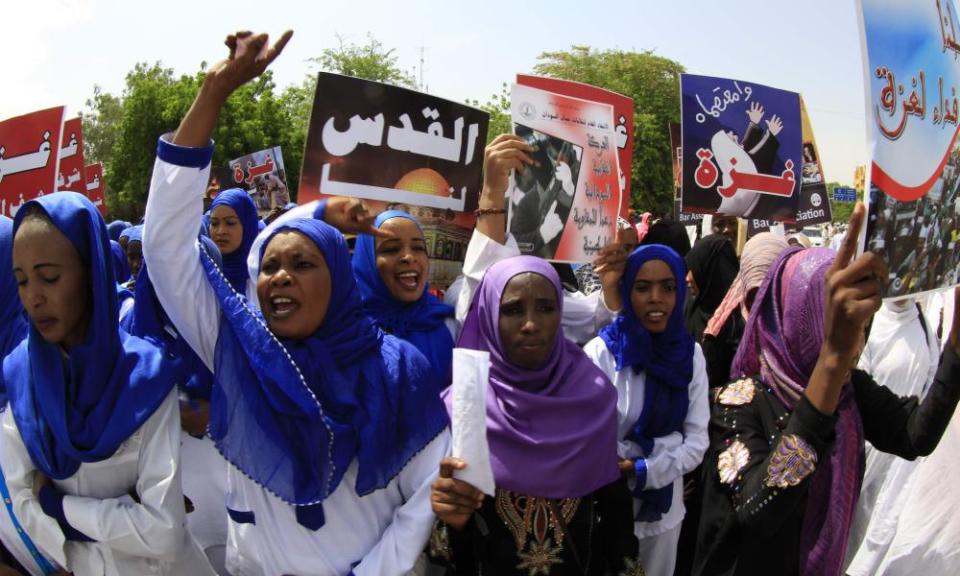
(370, 61)
(498, 107)
(122, 130)
(654, 84)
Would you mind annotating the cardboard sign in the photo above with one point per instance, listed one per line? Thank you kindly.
(398, 148)
(70, 177)
(94, 187)
(29, 147)
(262, 175)
(912, 69)
(564, 207)
(741, 148)
(622, 112)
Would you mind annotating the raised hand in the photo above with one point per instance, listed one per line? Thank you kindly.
(248, 58)
(609, 266)
(552, 224)
(454, 501)
(853, 294)
(250, 54)
(774, 125)
(854, 291)
(755, 113)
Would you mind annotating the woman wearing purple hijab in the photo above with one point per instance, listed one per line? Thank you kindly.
(560, 506)
(783, 472)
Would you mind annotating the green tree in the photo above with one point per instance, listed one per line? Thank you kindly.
(100, 125)
(122, 131)
(370, 61)
(654, 84)
(498, 107)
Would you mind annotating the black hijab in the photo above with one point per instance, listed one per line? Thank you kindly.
(714, 265)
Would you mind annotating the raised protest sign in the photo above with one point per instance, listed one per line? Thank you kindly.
(28, 157)
(813, 204)
(912, 70)
(94, 187)
(565, 206)
(262, 175)
(622, 112)
(685, 218)
(741, 148)
(70, 177)
(399, 148)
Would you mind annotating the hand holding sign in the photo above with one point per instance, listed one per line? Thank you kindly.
(507, 152)
(454, 501)
(853, 294)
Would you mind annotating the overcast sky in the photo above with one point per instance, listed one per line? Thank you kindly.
(57, 50)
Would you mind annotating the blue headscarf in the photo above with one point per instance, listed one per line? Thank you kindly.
(13, 324)
(82, 407)
(421, 323)
(121, 268)
(293, 414)
(149, 321)
(667, 359)
(115, 228)
(235, 263)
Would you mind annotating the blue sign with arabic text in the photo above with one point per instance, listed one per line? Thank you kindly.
(742, 148)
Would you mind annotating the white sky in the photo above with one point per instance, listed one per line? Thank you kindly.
(56, 50)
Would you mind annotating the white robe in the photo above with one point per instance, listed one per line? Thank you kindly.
(673, 455)
(902, 357)
(129, 538)
(384, 531)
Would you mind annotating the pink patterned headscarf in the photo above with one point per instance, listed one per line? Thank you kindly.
(782, 344)
(758, 254)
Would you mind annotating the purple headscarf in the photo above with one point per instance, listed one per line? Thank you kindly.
(552, 431)
(782, 343)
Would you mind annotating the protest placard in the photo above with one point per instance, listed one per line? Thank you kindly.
(28, 157)
(912, 71)
(398, 148)
(94, 187)
(814, 205)
(623, 126)
(70, 177)
(741, 148)
(685, 218)
(565, 206)
(262, 175)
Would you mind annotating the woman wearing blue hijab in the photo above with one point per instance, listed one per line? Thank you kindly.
(333, 429)
(90, 442)
(392, 275)
(661, 381)
(233, 226)
(13, 329)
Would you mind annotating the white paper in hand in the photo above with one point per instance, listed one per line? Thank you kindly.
(471, 369)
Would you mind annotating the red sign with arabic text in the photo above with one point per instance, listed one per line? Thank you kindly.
(623, 120)
(28, 157)
(94, 187)
(70, 176)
